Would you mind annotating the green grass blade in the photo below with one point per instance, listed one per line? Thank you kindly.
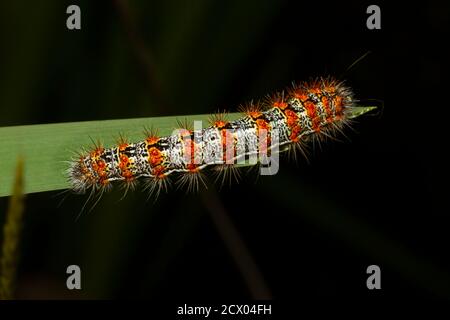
(46, 148)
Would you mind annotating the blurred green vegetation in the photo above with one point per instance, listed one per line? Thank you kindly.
(144, 59)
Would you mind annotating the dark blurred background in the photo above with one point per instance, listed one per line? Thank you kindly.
(308, 232)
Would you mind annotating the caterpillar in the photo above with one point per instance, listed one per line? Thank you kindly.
(286, 120)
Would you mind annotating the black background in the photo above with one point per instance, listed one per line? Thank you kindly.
(312, 229)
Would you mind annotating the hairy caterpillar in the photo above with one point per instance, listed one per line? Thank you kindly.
(284, 121)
